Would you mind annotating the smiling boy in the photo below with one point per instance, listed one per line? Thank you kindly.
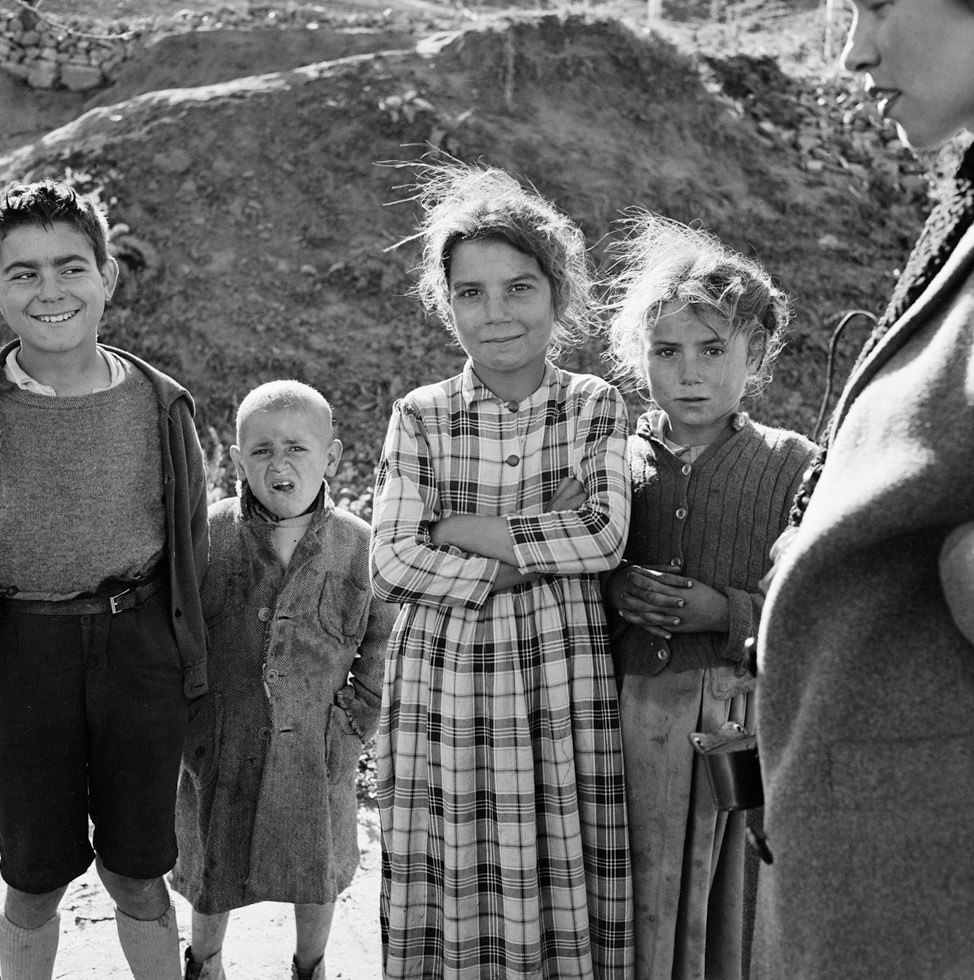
(104, 542)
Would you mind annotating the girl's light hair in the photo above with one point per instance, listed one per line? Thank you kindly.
(662, 261)
(472, 203)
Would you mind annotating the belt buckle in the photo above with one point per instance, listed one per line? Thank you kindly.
(115, 602)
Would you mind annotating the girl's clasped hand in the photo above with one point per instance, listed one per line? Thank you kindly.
(663, 602)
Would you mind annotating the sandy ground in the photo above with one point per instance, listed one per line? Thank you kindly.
(260, 939)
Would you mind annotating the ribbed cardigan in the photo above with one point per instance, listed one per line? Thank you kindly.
(717, 517)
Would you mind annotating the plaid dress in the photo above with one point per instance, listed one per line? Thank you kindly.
(500, 782)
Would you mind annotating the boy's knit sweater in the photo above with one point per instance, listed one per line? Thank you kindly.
(713, 520)
(91, 464)
(184, 503)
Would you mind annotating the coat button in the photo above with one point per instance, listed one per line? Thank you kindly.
(264, 614)
(662, 654)
(681, 513)
(512, 406)
(675, 562)
(512, 460)
(271, 675)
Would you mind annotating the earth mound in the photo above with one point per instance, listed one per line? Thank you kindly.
(257, 221)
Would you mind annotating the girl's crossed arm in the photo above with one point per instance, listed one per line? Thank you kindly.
(583, 526)
(491, 536)
(407, 564)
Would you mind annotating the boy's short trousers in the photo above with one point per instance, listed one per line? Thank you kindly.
(92, 720)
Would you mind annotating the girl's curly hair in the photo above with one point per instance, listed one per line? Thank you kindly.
(662, 261)
(465, 203)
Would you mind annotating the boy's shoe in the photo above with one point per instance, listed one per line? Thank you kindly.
(318, 974)
(210, 969)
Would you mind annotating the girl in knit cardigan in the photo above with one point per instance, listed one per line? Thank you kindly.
(699, 327)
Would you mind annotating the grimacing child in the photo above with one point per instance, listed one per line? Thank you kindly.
(266, 807)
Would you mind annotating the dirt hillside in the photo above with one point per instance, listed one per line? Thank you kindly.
(258, 209)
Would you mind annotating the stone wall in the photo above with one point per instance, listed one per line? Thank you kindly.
(79, 55)
(49, 57)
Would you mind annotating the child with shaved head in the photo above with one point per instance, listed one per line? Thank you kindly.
(266, 808)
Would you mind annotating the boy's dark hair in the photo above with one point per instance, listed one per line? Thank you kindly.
(44, 202)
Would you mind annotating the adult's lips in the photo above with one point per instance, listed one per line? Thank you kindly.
(885, 97)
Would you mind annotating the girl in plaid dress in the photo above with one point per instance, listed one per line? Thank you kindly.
(501, 495)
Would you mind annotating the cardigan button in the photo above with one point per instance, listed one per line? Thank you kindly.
(681, 513)
(264, 614)
(687, 469)
(662, 653)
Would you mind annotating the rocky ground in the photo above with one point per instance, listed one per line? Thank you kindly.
(260, 939)
(250, 165)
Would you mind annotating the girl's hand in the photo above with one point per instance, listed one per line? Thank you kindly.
(637, 594)
(569, 495)
(663, 603)
(508, 577)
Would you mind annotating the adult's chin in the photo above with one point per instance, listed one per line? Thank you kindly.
(919, 134)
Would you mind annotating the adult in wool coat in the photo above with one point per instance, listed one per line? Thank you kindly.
(866, 675)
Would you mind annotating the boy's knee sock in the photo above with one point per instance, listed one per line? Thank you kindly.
(28, 954)
(152, 947)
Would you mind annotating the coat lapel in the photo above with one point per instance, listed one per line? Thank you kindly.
(942, 288)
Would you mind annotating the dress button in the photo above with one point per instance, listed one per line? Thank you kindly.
(681, 512)
(512, 406)
(512, 460)
(687, 468)
(264, 614)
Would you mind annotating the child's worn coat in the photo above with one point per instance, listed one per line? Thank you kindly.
(266, 809)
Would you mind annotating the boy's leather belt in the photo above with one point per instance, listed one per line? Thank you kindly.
(92, 605)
